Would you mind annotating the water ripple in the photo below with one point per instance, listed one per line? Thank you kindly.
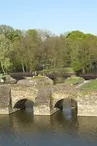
(24, 129)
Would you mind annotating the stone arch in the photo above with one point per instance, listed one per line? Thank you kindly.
(74, 104)
(59, 104)
(23, 103)
(19, 92)
(66, 102)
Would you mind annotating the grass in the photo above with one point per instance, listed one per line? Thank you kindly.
(91, 85)
(58, 70)
(74, 80)
(37, 77)
(69, 70)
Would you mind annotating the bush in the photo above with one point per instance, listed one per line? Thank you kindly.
(58, 71)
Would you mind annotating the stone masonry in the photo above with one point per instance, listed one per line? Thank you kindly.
(45, 98)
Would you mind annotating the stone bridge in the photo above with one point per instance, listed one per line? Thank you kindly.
(46, 100)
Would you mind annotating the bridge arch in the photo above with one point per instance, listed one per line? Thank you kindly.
(59, 104)
(24, 103)
(66, 102)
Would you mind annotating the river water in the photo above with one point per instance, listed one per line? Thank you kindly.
(24, 129)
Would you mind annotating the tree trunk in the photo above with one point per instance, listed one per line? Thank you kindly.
(23, 68)
(2, 68)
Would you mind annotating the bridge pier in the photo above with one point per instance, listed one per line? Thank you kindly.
(5, 100)
(44, 109)
(41, 109)
(87, 104)
(43, 102)
(87, 110)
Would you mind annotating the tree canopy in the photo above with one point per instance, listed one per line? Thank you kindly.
(27, 51)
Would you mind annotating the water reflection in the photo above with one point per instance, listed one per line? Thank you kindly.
(22, 128)
(66, 105)
(67, 112)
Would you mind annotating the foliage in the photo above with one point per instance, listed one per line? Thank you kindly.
(7, 31)
(5, 49)
(67, 70)
(74, 80)
(27, 51)
(81, 56)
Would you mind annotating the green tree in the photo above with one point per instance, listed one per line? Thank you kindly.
(17, 35)
(75, 35)
(7, 31)
(5, 49)
(81, 57)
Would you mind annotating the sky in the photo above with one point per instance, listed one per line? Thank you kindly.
(57, 16)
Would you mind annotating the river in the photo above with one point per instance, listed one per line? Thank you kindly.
(24, 129)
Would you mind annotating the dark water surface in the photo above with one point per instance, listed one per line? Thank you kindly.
(23, 129)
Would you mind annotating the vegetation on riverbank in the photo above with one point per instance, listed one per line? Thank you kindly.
(73, 80)
(91, 85)
(58, 71)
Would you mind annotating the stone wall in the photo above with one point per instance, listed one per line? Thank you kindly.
(42, 104)
(5, 99)
(19, 92)
(45, 98)
(42, 109)
(87, 104)
(86, 101)
(4, 110)
(62, 92)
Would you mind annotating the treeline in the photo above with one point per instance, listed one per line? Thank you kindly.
(27, 51)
